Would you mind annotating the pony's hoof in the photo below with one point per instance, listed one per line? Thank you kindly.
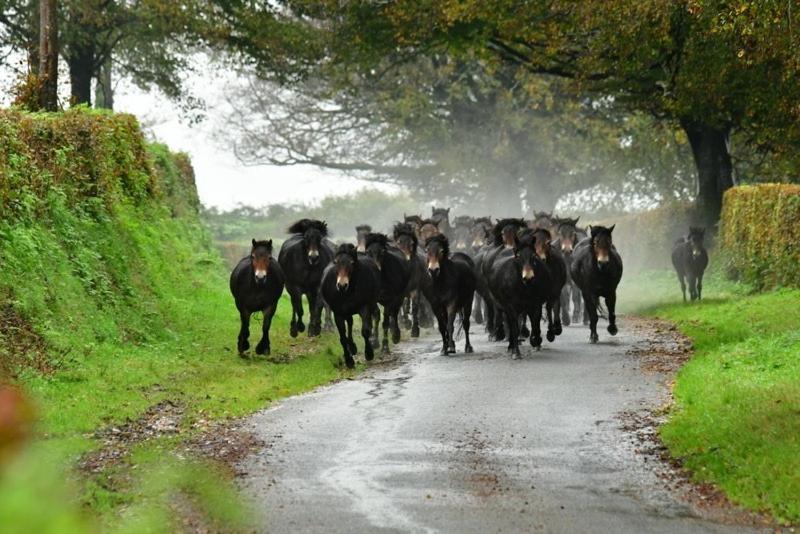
(369, 355)
(593, 338)
(443, 352)
(558, 330)
(536, 342)
(385, 351)
(515, 354)
(414, 331)
(349, 362)
(612, 329)
(293, 331)
(301, 327)
(262, 350)
(243, 355)
(396, 337)
(551, 336)
(468, 349)
(565, 320)
(352, 346)
(243, 347)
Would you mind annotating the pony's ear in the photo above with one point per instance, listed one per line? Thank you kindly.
(447, 210)
(254, 243)
(575, 222)
(611, 229)
(590, 229)
(269, 244)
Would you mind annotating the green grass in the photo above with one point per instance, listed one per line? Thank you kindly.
(736, 417)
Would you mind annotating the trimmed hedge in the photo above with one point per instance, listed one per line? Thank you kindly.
(91, 156)
(760, 234)
(644, 240)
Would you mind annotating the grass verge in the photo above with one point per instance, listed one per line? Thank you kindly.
(736, 417)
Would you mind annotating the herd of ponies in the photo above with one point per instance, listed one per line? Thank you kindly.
(509, 274)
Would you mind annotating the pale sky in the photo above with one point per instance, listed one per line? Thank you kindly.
(221, 180)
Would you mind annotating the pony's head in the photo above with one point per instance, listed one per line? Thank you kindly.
(441, 215)
(415, 221)
(313, 233)
(428, 229)
(505, 232)
(602, 244)
(481, 232)
(361, 231)
(695, 239)
(375, 247)
(461, 231)
(526, 256)
(260, 259)
(542, 238)
(567, 232)
(437, 249)
(344, 263)
(405, 239)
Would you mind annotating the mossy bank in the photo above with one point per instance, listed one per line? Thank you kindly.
(112, 300)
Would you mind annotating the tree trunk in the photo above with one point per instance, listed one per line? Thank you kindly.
(103, 90)
(712, 158)
(48, 54)
(32, 44)
(81, 69)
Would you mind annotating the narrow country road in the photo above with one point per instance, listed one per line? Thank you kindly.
(469, 443)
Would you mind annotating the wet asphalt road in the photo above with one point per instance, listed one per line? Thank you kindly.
(469, 443)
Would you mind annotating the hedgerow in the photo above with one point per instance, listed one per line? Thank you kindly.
(760, 234)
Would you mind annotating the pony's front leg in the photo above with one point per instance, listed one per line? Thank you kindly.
(700, 286)
(376, 325)
(441, 321)
(386, 320)
(513, 321)
(590, 308)
(536, 321)
(297, 311)
(551, 331)
(341, 327)
(314, 314)
(263, 345)
(577, 300)
(611, 304)
(414, 300)
(692, 285)
(465, 313)
(244, 332)
(564, 304)
(351, 342)
(394, 324)
(328, 322)
(366, 331)
(451, 319)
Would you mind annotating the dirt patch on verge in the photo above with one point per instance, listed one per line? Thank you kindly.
(161, 419)
(226, 443)
(663, 352)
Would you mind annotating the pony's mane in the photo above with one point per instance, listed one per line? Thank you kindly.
(415, 218)
(266, 243)
(349, 249)
(443, 242)
(542, 215)
(544, 231)
(435, 210)
(483, 220)
(697, 230)
(433, 222)
(404, 229)
(497, 231)
(304, 225)
(526, 237)
(372, 238)
(463, 220)
(363, 228)
(597, 230)
(566, 221)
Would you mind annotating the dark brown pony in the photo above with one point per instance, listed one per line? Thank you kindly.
(361, 232)
(567, 238)
(597, 269)
(690, 259)
(462, 226)
(442, 217)
(256, 284)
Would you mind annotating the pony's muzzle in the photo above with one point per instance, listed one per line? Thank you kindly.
(261, 275)
(342, 282)
(566, 247)
(527, 273)
(433, 267)
(313, 255)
